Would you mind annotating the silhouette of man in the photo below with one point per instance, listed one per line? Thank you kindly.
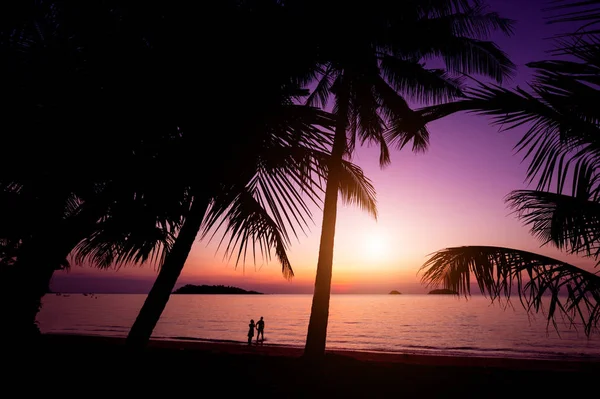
(260, 326)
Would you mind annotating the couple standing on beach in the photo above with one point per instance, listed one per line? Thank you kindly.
(260, 327)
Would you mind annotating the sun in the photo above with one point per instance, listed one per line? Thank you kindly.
(375, 247)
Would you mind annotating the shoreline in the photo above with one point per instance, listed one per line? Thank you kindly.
(492, 354)
(274, 350)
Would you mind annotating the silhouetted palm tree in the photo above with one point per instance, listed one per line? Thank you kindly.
(272, 157)
(373, 61)
(127, 212)
(562, 144)
(77, 88)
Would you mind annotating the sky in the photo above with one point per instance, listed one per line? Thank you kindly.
(452, 195)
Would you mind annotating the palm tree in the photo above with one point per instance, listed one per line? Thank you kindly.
(267, 161)
(373, 61)
(563, 148)
(258, 192)
(39, 233)
(70, 75)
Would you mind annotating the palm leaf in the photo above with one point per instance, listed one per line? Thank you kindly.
(556, 138)
(466, 56)
(584, 11)
(412, 80)
(405, 125)
(365, 123)
(356, 189)
(249, 227)
(131, 234)
(473, 21)
(571, 223)
(568, 290)
(280, 188)
(320, 94)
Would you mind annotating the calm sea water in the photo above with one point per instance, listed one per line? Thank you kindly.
(403, 323)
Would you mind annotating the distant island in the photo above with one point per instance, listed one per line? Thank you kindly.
(213, 289)
(443, 292)
(394, 292)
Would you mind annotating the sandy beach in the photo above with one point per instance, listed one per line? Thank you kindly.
(79, 365)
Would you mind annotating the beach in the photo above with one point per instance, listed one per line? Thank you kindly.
(78, 365)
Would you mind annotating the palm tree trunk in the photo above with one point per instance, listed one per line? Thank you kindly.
(23, 286)
(27, 281)
(319, 316)
(157, 298)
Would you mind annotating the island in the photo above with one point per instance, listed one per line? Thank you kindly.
(394, 292)
(443, 291)
(213, 289)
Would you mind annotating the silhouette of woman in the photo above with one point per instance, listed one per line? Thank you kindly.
(252, 326)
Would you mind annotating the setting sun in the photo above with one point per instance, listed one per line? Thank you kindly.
(375, 247)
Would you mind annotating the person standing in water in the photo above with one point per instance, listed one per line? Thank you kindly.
(251, 327)
(260, 326)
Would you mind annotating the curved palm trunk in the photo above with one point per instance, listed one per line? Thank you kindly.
(157, 298)
(319, 316)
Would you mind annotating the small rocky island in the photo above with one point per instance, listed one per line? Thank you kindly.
(214, 290)
(394, 292)
(443, 291)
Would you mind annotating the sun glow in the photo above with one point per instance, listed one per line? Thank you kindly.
(376, 247)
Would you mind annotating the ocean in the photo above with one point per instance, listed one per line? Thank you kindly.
(416, 324)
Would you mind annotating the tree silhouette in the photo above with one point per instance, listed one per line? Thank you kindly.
(372, 62)
(563, 149)
(267, 162)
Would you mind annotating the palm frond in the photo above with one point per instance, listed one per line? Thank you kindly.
(571, 223)
(115, 243)
(538, 280)
(439, 8)
(472, 20)
(366, 124)
(319, 96)
(120, 228)
(405, 125)
(584, 11)
(556, 138)
(477, 22)
(275, 199)
(249, 227)
(260, 209)
(466, 56)
(356, 189)
(412, 80)
(585, 71)
(569, 87)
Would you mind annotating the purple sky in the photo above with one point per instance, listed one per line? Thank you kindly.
(450, 196)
